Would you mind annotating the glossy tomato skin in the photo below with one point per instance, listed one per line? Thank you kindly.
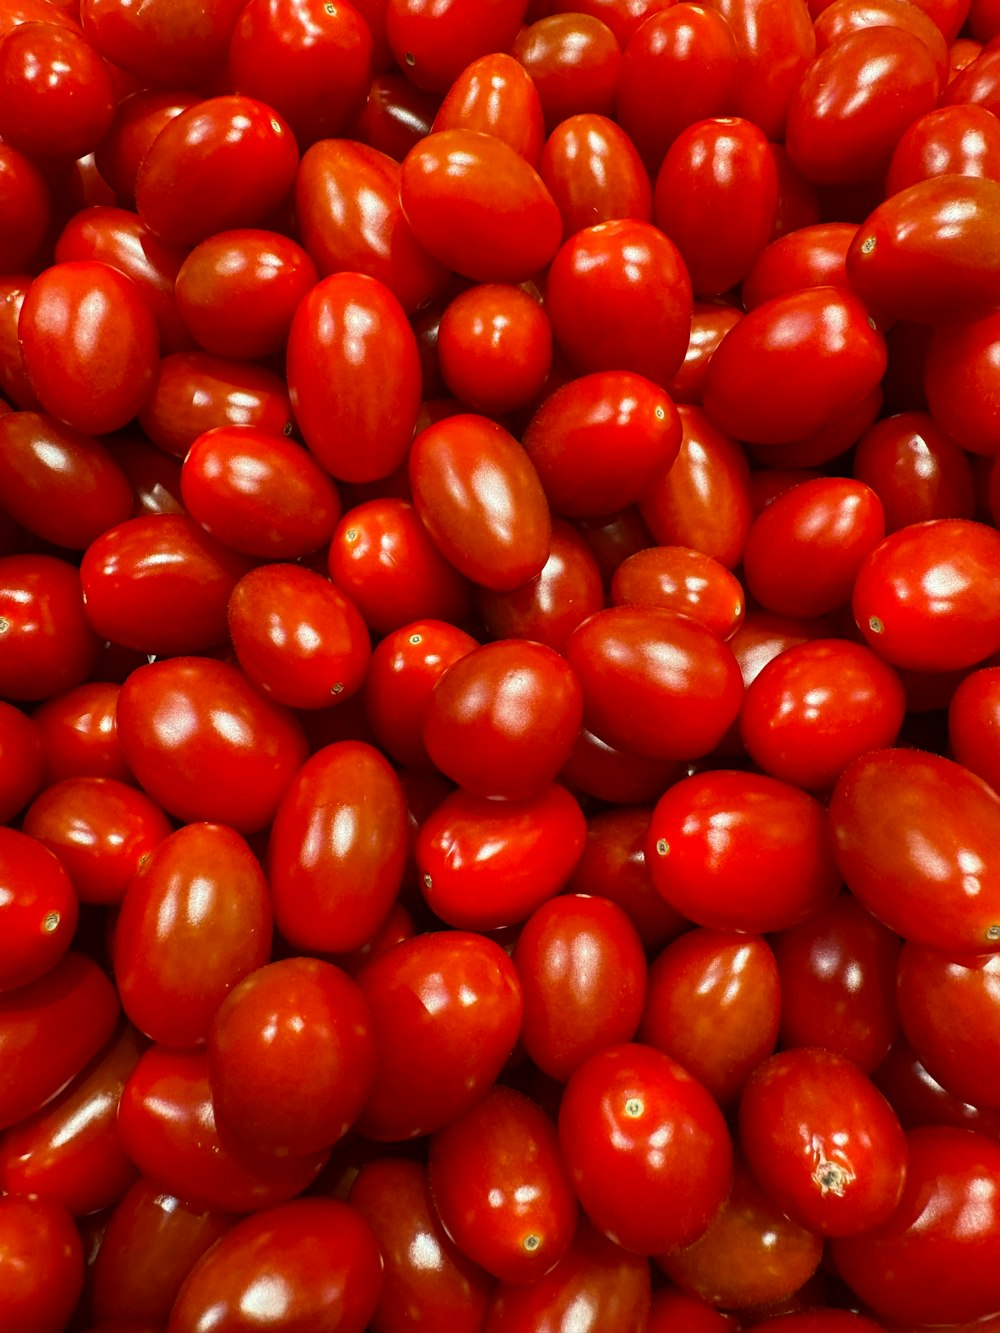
(495, 95)
(647, 1148)
(959, 374)
(160, 43)
(22, 761)
(914, 836)
(973, 722)
(38, 910)
(138, 119)
(679, 579)
(56, 95)
(594, 173)
(41, 1264)
(79, 734)
(436, 1061)
(205, 745)
(813, 256)
(738, 851)
(916, 470)
(573, 60)
(710, 322)
(27, 209)
(950, 141)
(669, 1304)
(47, 644)
(434, 43)
(495, 347)
(775, 43)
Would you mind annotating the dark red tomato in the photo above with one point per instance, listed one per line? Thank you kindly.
(46, 643)
(619, 298)
(672, 1308)
(137, 121)
(977, 83)
(583, 974)
(69, 1151)
(928, 596)
(615, 536)
(753, 1255)
(167, 1124)
(258, 493)
(337, 849)
(56, 95)
(930, 253)
(349, 338)
(294, 1014)
(594, 173)
(13, 377)
(916, 838)
(41, 1265)
(155, 477)
(807, 257)
(495, 347)
(79, 734)
(740, 851)
(161, 43)
(50, 1029)
(404, 669)
(974, 724)
(160, 584)
(496, 95)
(478, 207)
(703, 500)
(446, 1010)
(90, 345)
(915, 469)
(226, 162)
(775, 44)
(486, 863)
(918, 1099)
(647, 1148)
(205, 745)
(433, 43)
(716, 198)
(38, 909)
(687, 582)
(311, 61)
(480, 498)
(151, 1243)
(710, 323)
(951, 141)
(316, 1259)
(654, 682)
(396, 116)
(574, 61)
(936, 1257)
(843, 17)
(614, 774)
(350, 218)
(100, 829)
(27, 210)
(713, 1004)
(829, 442)
(960, 381)
(428, 1284)
(599, 440)
(195, 392)
(22, 761)
(793, 365)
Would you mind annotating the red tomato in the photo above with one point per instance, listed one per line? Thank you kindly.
(56, 94)
(41, 1265)
(710, 323)
(573, 60)
(684, 581)
(159, 43)
(915, 469)
(951, 141)
(775, 43)
(495, 347)
(594, 173)
(433, 43)
(138, 119)
(396, 115)
(974, 724)
(843, 17)
(27, 209)
(38, 909)
(807, 257)
(79, 734)
(960, 381)
(22, 760)
(496, 95)
(46, 643)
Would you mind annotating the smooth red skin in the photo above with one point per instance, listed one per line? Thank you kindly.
(928, 596)
(48, 645)
(433, 43)
(90, 345)
(22, 761)
(613, 774)
(395, 117)
(977, 83)
(168, 1127)
(436, 1061)
(949, 15)
(56, 94)
(293, 1014)
(226, 162)
(311, 63)
(613, 537)
(350, 218)
(428, 1284)
(49, 1029)
(974, 724)
(829, 442)
(793, 365)
(915, 469)
(79, 735)
(649, 1181)
(762, 636)
(623, 17)
(69, 1151)
(716, 197)
(337, 849)
(918, 1099)
(480, 499)
(751, 1256)
(596, 1287)
(38, 909)
(915, 838)
(350, 336)
(713, 1004)
(160, 584)
(155, 477)
(813, 256)
(951, 141)
(775, 44)
(14, 12)
(27, 209)
(100, 829)
(741, 851)
(151, 1243)
(600, 439)
(929, 253)
(935, 1257)
(574, 62)
(495, 348)
(478, 207)
(703, 500)
(619, 298)
(670, 1304)
(687, 582)
(404, 669)
(843, 17)
(138, 119)
(654, 682)
(319, 1257)
(41, 1265)
(816, 707)
(166, 43)
(681, 66)
(195, 392)
(205, 744)
(960, 381)
(709, 325)
(13, 378)
(496, 95)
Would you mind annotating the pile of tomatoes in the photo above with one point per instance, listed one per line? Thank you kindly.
(499, 666)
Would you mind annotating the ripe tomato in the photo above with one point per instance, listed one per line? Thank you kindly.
(41, 1264)
(679, 579)
(573, 60)
(915, 469)
(38, 909)
(959, 377)
(594, 173)
(433, 43)
(775, 43)
(495, 347)
(56, 94)
(22, 760)
(495, 95)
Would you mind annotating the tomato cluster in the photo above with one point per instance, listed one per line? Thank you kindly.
(499, 666)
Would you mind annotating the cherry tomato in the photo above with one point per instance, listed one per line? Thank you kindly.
(38, 909)
(396, 115)
(915, 469)
(973, 722)
(138, 119)
(27, 209)
(56, 94)
(687, 582)
(432, 44)
(46, 643)
(22, 760)
(495, 347)
(79, 734)
(843, 17)
(496, 95)
(41, 1264)
(573, 61)
(775, 43)
(813, 256)
(959, 376)
(951, 141)
(160, 43)
(594, 173)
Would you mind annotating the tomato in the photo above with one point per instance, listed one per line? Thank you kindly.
(616, 775)
(843, 17)
(976, 83)
(679, 579)
(594, 173)
(915, 469)
(670, 1305)
(27, 209)
(495, 347)
(433, 43)
(951, 141)
(813, 256)
(710, 323)
(775, 44)
(612, 537)
(396, 115)
(161, 44)
(56, 94)
(959, 375)
(138, 119)
(973, 719)
(46, 643)
(38, 909)
(79, 734)
(573, 61)
(41, 1264)
(22, 760)
(495, 95)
